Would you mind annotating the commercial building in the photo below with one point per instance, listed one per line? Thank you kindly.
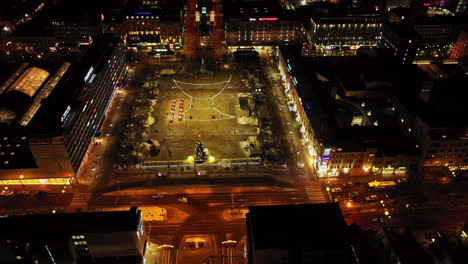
(305, 233)
(150, 23)
(98, 237)
(264, 22)
(345, 115)
(48, 119)
(438, 35)
(341, 35)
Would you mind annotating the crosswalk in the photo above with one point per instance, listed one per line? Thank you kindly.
(80, 202)
(315, 193)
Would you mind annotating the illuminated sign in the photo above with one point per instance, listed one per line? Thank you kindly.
(427, 4)
(143, 13)
(252, 19)
(268, 19)
(203, 10)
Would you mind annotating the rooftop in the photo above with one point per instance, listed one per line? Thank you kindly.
(446, 101)
(46, 225)
(306, 226)
(329, 107)
(245, 9)
(407, 249)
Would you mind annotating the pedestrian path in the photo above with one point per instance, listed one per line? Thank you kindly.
(80, 202)
(315, 193)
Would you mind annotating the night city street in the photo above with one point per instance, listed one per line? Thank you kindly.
(233, 132)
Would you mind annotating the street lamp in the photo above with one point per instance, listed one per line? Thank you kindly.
(21, 177)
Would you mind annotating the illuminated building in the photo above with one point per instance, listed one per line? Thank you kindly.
(344, 115)
(342, 35)
(53, 117)
(97, 237)
(153, 23)
(260, 23)
(391, 4)
(460, 49)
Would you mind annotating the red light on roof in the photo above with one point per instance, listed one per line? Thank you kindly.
(94, 111)
(86, 102)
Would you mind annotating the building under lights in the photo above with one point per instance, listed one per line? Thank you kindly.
(49, 118)
(264, 22)
(341, 35)
(150, 23)
(345, 115)
(97, 237)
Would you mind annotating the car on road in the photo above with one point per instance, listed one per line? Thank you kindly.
(389, 195)
(183, 199)
(347, 184)
(22, 192)
(93, 169)
(377, 220)
(402, 180)
(336, 190)
(353, 195)
(371, 198)
(158, 196)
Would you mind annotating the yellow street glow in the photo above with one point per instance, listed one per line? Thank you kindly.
(190, 158)
(211, 159)
(387, 213)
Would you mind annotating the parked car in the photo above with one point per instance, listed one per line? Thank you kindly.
(389, 195)
(158, 196)
(347, 184)
(377, 220)
(183, 199)
(336, 190)
(402, 180)
(371, 198)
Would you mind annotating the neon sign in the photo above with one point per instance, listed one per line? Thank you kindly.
(268, 19)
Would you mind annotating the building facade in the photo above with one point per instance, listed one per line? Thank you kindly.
(460, 49)
(56, 125)
(103, 237)
(339, 36)
(260, 23)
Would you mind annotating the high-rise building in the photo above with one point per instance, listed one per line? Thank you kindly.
(48, 120)
(98, 237)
